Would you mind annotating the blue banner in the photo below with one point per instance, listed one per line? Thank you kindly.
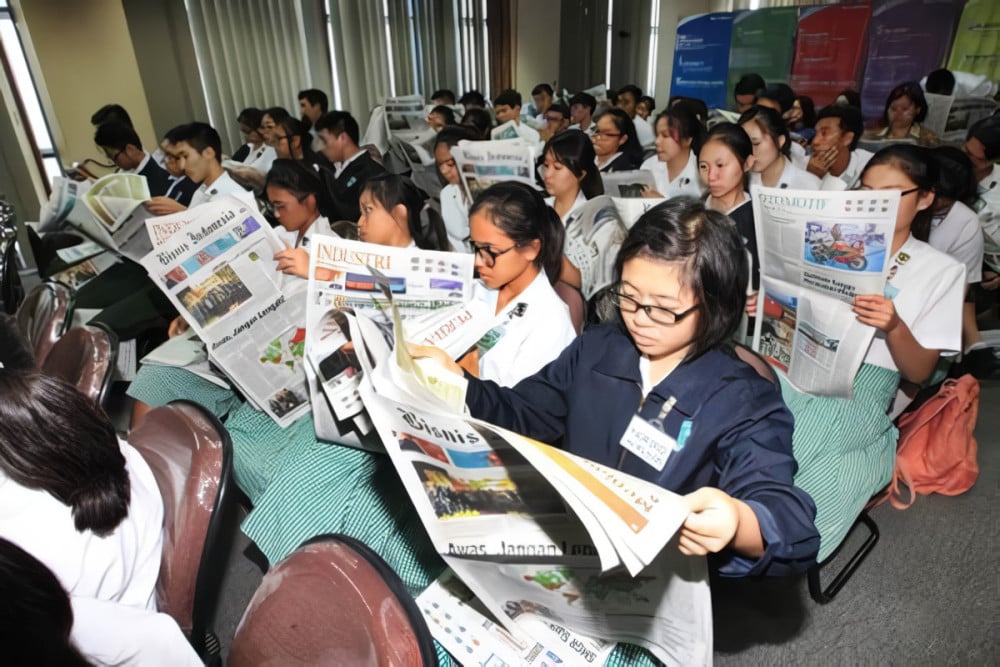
(701, 58)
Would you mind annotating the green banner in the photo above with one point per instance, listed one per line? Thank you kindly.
(763, 42)
(977, 40)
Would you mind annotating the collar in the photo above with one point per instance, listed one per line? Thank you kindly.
(142, 165)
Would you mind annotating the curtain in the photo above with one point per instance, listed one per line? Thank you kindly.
(250, 53)
(583, 22)
(630, 43)
(500, 48)
(360, 54)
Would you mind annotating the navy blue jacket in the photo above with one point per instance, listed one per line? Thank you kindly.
(739, 433)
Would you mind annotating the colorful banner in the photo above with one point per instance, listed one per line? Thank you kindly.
(764, 43)
(977, 40)
(907, 40)
(701, 58)
(829, 51)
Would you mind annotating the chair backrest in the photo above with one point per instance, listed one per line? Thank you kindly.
(757, 362)
(44, 316)
(574, 299)
(332, 601)
(190, 454)
(84, 357)
(346, 229)
(11, 291)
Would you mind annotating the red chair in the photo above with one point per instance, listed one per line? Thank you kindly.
(190, 454)
(85, 358)
(44, 316)
(333, 601)
(577, 304)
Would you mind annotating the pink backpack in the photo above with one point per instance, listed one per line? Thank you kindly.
(937, 449)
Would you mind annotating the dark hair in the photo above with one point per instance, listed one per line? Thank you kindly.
(987, 131)
(109, 113)
(447, 112)
(852, 98)
(560, 108)
(586, 99)
(479, 120)
(277, 114)
(918, 163)
(116, 135)
(453, 134)
(630, 88)
(174, 134)
(541, 88)
(252, 117)
(509, 97)
(909, 89)
(781, 93)
(574, 150)
(294, 127)
(682, 118)
(956, 179)
(715, 265)
(448, 95)
(35, 613)
(300, 179)
(941, 82)
(849, 118)
(623, 123)
(340, 122)
(771, 122)
(315, 96)
(425, 224)
(520, 212)
(648, 100)
(808, 111)
(734, 137)
(200, 136)
(472, 98)
(55, 439)
(749, 84)
(696, 106)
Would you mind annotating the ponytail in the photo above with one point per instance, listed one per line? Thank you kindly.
(425, 224)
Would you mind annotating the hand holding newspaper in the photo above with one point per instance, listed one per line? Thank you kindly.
(818, 250)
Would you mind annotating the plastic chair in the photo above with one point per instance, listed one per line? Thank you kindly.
(191, 456)
(577, 304)
(333, 601)
(11, 290)
(85, 357)
(44, 316)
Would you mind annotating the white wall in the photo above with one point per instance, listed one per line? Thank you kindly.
(536, 40)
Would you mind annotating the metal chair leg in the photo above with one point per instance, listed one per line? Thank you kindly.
(816, 590)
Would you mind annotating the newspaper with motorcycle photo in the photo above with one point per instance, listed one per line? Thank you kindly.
(818, 250)
(511, 516)
(216, 268)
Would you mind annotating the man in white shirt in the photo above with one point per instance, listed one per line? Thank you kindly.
(581, 112)
(199, 146)
(507, 106)
(836, 159)
(627, 100)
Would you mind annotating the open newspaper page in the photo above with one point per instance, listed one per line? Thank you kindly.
(538, 534)
(351, 278)
(631, 209)
(818, 250)
(629, 184)
(66, 194)
(118, 219)
(405, 117)
(218, 272)
(593, 236)
(484, 163)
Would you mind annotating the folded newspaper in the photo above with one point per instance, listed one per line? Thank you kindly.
(214, 263)
(565, 553)
(818, 250)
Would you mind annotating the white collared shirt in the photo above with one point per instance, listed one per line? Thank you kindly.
(791, 177)
(685, 183)
(339, 167)
(223, 185)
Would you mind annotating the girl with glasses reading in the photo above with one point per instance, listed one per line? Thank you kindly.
(615, 142)
(665, 372)
(518, 244)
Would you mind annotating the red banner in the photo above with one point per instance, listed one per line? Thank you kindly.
(830, 51)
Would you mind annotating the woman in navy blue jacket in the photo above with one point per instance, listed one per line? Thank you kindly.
(660, 394)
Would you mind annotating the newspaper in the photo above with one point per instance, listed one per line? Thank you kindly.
(80, 252)
(630, 184)
(505, 131)
(185, 351)
(66, 195)
(351, 285)
(81, 273)
(543, 535)
(818, 250)
(630, 209)
(484, 163)
(405, 117)
(593, 236)
(988, 209)
(217, 270)
(963, 113)
(117, 215)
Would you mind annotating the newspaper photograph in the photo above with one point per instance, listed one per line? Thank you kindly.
(814, 339)
(83, 272)
(405, 114)
(594, 234)
(483, 163)
(836, 243)
(113, 215)
(219, 273)
(627, 184)
(818, 250)
(470, 633)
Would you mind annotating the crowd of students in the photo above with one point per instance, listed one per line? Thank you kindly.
(665, 365)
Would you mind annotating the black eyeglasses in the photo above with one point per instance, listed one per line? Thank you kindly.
(657, 314)
(488, 254)
(902, 193)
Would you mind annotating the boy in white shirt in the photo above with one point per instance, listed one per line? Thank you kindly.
(507, 106)
(836, 159)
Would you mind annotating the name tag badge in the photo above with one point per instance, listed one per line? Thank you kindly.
(648, 442)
